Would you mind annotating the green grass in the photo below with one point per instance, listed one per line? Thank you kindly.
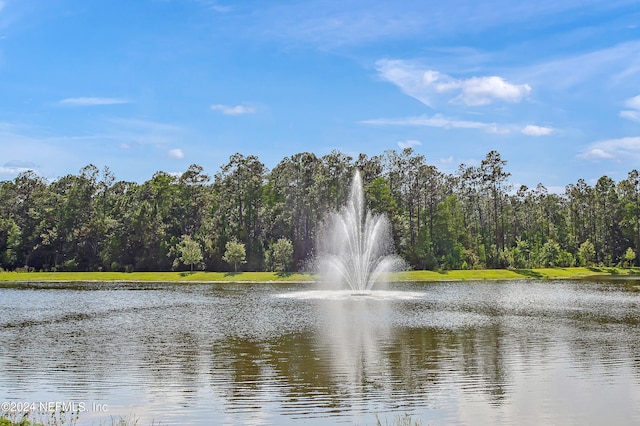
(250, 277)
(153, 277)
(513, 274)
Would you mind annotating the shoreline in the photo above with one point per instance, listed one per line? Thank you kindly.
(300, 278)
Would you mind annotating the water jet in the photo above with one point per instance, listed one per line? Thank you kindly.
(355, 246)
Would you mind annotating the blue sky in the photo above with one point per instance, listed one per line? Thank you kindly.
(148, 85)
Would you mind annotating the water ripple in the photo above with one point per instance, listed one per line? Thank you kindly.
(447, 353)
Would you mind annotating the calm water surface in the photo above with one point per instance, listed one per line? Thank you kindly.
(448, 353)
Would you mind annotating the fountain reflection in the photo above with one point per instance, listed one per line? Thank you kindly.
(356, 361)
(465, 353)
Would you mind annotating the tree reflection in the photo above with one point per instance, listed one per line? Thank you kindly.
(357, 358)
(490, 353)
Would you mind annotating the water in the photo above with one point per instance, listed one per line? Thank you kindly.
(478, 353)
(356, 247)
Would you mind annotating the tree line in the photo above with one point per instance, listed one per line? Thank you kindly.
(246, 216)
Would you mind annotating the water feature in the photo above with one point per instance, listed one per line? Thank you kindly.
(473, 353)
(356, 247)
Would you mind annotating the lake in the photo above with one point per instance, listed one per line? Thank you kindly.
(472, 353)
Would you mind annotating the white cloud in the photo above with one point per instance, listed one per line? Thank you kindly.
(424, 121)
(233, 110)
(630, 115)
(596, 153)
(92, 101)
(442, 122)
(427, 85)
(613, 149)
(438, 121)
(633, 102)
(483, 90)
(533, 130)
(409, 144)
(634, 113)
(176, 153)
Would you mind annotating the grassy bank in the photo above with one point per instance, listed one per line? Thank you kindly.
(514, 274)
(153, 277)
(418, 276)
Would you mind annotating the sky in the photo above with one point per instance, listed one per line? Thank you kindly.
(156, 85)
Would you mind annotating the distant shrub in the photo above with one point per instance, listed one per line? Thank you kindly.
(70, 265)
(565, 259)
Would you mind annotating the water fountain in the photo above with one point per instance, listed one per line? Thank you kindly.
(355, 247)
(355, 316)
